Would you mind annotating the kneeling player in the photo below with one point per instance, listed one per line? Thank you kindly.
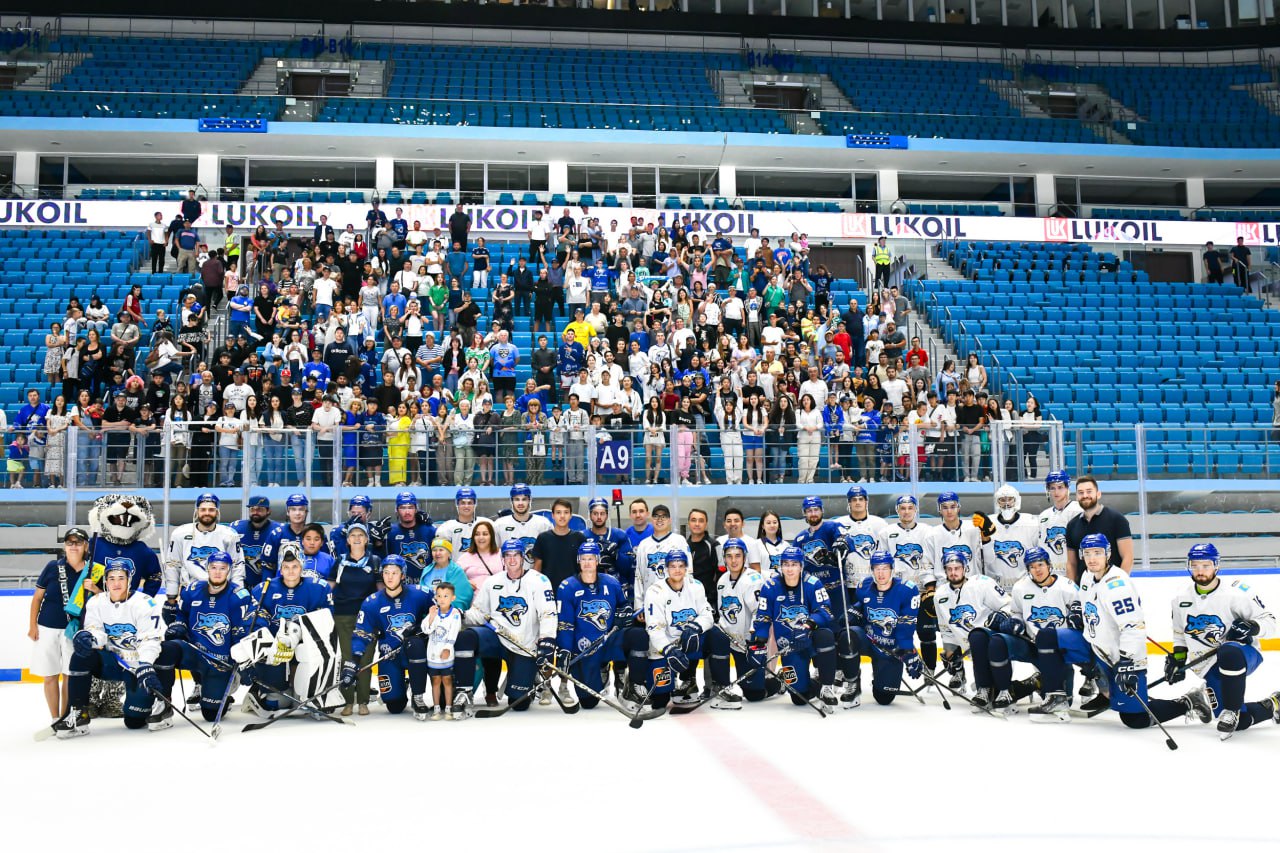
(1043, 600)
(292, 648)
(1114, 633)
(1230, 618)
(213, 615)
(392, 619)
(738, 597)
(795, 607)
(887, 606)
(593, 609)
(512, 617)
(965, 606)
(677, 617)
(120, 641)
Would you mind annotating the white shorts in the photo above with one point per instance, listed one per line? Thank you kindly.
(52, 653)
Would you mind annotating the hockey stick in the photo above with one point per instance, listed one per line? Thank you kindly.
(43, 733)
(783, 651)
(232, 684)
(491, 713)
(689, 708)
(1196, 661)
(1168, 741)
(929, 679)
(158, 695)
(309, 705)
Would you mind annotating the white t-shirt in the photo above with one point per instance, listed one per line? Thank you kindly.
(166, 351)
(894, 391)
(538, 229)
(331, 418)
(586, 393)
(229, 439)
(155, 232)
(324, 289)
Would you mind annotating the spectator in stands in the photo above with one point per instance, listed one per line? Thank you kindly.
(55, 348)
(535, 455)
(191, 208)
(228, 427)
(971, 419)
(187, 241)
(116, 423)
(781, 437)
(1212, 260)
(125, 332)
(1275, 412)
(157, 241)
(976, 374)
(1240, 262)
(459, 227)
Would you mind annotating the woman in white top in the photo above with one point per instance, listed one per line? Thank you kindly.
(295, 353)
(435, 261)
(461, 429)
(1033, 438)
(421, 431)
(975, 373)
(730, 441)
(808, 436)
(358, 328)
(632, 402)
(654, 422)
(405, 372)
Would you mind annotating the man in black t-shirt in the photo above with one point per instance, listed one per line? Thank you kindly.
(116, 423)
(555, 552)
(970, 418)
(1240, 255)
(1097, 518)
(1212, 264)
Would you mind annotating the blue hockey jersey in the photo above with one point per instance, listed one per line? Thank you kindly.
(270, 555)
(383, 615)
(890, 616)
(147, 573)
(820, 559)
(278, 601)
(788, 609)
(412, 543)
(217, 621)
(613, 544)
(587, 611)
(252, 541)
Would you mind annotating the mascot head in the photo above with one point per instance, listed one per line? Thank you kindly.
(121, 519)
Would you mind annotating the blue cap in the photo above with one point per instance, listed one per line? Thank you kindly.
(1036, 555)
(589, 548)
(406, 499)
(297, 499)
(857, 492)
(733, 542)
(513, 546)
(466, 493)
(1095, 540)
(948, 497)
(357, 525)
(812, 502)
(791, 554)
(257, 501)
(521, 489)
(360, 500)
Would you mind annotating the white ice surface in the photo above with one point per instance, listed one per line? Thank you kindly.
(771, 777)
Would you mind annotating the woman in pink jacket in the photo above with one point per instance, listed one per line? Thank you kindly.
(480, 560)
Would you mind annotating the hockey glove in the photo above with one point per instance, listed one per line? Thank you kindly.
(911, 660)
(413, 629)
(855, 616)
(147, 679)
(1003, 623)
(546, 652)
(985, 526)
(348, 679)
(1075, 616)
(177, 631)
(677, 660)
(690, 638)
(1241, 631)
(1175, 665)
(927, 609)
(561, 659)
(170, 610)
(1128, 675)
(756, 651)
(84, 642)
(953, 664)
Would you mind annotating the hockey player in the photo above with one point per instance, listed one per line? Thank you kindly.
(1229, 618)
(861, 531)
(190, 546)
(734, 522)
(521, 523)
(1043, 600)
(458, 530)
(796, 609)
(964, 603)
(953, 533)
(291, 644)
(1007, 537)
(738, 599)
(613, 541)
(213, 615)
(296, 510)
(677, 618)
(520, 605)
(822, 543)
(1114, 632)
(359, 511)
(888, 606)
(1053, 520)
(592, 606)
(651, 556)
(120, 641)
(255, 533)
(408, 535)
(392, 618)
(909, 543)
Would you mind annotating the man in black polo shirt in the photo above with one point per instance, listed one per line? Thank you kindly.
(1097, 518)
(555, 552)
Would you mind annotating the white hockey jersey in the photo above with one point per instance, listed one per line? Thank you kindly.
(189, 549)
(442, 632)
(1201, 620)
(772, 552)
(1053, 534)
(1045, 606)
(525, 608)
(961, 610)
(911, 552)
(756, 555)
(651, 562)
(1002, 556)
(459, 532)
(1114, 623)
(964, 537)
(132, 629)
(666, 610)
(860, 539)
(509, 527)
(738, 600)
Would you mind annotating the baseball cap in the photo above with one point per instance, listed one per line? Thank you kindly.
(75, 532)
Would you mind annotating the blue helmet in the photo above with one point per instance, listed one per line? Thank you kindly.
(955, 555)
(513, 546)
(466, 493)
(393, 560)
(297, 499)
(123, 564)
(791, 554)
(519, 490)
(881, 558)
(218, 557)
(258, 501)
(1203, 551)
(856, 492)
(360, 500)
(948, 497)
(1036, 555)
(208, 498)
(589, 548)
(1095, 540)
(406, 499)
(812, 502)
(910, 499)
(733, 542)
(595, 502)
(677, 556)
(1057, 477)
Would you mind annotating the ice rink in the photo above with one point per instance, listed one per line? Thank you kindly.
(771, 777)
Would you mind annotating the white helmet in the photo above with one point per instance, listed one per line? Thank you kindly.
(1005, 493)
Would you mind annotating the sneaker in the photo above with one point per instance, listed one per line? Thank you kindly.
(161, 717)
(1198, 707)
(685, 482)
(421, 710)
(1227, 722)
(829, 696)
(462, 705)
(193, 699)
(728, 699)
(544, 696)
(363, 710)
(448, 715)
(568, 696)
(1004, 703)
(1056, 708)
(74, 724)
(438, 714)
(347, 709)
(851, 695)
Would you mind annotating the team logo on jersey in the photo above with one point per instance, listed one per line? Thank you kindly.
(1046, 617)
(1091, 619)
(731, 608)
(595, 612)
(527, 544)
(775, 560)
(883, 619)
(681, 617)
(415, 552)
(466, 543)
(252, 554)
(398, 623)
(911, 554)
(861, 544)
(816, 552)
(200, 554)
(215, 627)
(1056, 539)
(1206, 628)
(657, 562)
(122, 635)
(963, 616)
(289, 611)
(513, 608)
(1009, 552)
(794, 616)
(964, 549)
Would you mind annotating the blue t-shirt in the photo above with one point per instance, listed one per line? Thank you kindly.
(241, 308)
(504, 357)
(480, 258)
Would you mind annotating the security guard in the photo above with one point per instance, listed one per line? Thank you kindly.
(884, 262)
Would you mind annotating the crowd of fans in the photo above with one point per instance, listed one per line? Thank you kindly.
(397, 348)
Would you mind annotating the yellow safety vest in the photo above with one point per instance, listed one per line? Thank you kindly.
(882, 255)
(232, 245)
